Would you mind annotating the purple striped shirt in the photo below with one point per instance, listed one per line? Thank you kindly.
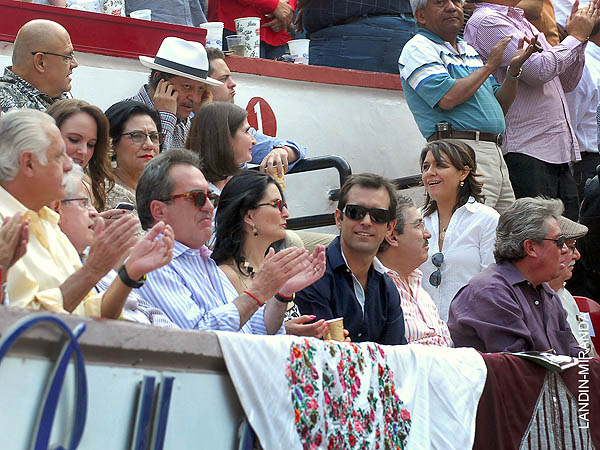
(538, 122)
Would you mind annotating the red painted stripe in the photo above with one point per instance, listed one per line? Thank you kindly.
(128, 38)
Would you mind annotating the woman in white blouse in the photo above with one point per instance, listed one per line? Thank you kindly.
(463, 229)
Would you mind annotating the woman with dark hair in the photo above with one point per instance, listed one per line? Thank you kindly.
(251, 217)
(220, 134)
(84, 129)
(463, 229)
(136, 137)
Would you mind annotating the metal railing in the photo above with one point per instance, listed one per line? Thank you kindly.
(344, 171)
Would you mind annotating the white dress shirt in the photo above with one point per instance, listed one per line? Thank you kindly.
(468, 249)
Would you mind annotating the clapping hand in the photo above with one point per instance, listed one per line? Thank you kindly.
(14, 235)
(312, 270)
(151, 253)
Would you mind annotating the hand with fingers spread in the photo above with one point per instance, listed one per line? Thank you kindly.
(522, 54)
(298, 326)
(276, 270)
(581, 21)
(276, 162)
(310, 273)
(111, 244)
(151, 253)
(165, 97)
(14, 235)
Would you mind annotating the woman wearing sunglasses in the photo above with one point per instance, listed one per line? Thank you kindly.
(136, 137)
(463, 229)
(252, 217)
(220, 134)
(84, 129)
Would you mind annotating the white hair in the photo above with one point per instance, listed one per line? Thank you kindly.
(23, 130)
(72, 180)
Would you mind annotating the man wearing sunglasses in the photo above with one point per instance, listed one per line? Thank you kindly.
(355, 285)
(42, 62)
(192, 290)
(509, 307)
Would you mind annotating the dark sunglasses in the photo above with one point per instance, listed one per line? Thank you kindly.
(279, 204)
(358, 212)
(199, 198)
(435, 279)
(560, 241)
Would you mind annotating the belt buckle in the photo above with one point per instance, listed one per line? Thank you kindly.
(499, 139)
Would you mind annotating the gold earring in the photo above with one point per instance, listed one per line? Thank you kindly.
(254, 230)
(462, 183)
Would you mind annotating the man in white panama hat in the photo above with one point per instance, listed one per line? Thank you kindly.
(176, 87)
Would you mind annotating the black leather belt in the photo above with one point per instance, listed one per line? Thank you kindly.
(472, 136)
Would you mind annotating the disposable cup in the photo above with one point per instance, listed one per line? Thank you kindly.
(235, 44)
(85, 5)
(299, 50)
(142, 14)
(249, 29)
(214, 34)
(335, 330)
(114, 7)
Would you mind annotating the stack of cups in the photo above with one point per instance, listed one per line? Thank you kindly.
(214, 34)
(299, 50)
(249, 29)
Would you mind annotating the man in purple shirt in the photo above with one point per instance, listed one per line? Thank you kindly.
(509, 307)
(539, 141)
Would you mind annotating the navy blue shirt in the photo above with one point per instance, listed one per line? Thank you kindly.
(333, 296)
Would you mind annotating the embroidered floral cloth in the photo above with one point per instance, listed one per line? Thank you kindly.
(301, 393)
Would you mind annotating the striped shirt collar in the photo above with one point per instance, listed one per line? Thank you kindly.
(435, 38)
(180, 249)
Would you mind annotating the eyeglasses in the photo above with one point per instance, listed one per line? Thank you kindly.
(358, 212)
(418, 224)
(70, 57)
(435, 279)
(560, 241)
(139, 137)
(85, 202)
(572, 246)
(279, 204)
(199, 198)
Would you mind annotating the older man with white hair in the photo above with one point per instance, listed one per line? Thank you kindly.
(42, 63)
(509, 307)
(452, 94)
(33, 164)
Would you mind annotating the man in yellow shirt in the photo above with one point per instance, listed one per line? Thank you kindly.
(33, 163)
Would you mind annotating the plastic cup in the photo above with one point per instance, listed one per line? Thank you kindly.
(335, 330)
(249, 29)
(214, 34)
(115, 8)
(142, 14)
(236, 45)
(299, 50)
(85, 5)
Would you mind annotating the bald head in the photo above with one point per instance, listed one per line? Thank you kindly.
(41, 56)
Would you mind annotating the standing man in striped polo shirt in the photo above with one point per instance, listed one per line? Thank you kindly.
(452, 93)
(402, 252)
(540, 141)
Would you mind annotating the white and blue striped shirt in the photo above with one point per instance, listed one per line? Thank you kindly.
(196, 294)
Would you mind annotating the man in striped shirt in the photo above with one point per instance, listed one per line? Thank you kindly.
(192, 290)
(402, 252)
(445, 80)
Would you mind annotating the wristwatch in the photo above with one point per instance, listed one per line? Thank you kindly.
(127, 281)
(513, 77)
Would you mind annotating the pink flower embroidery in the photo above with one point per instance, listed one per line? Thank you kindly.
(405, 414)
(358, 427)
(309, 390)
(327, 398)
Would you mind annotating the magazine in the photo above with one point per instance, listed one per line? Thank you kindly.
(548, 360)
